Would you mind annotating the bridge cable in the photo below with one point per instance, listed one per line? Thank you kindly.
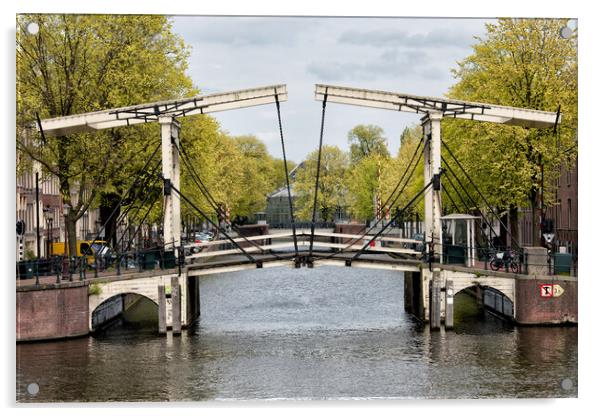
(472, 201)
(286, 175)
(183, 197)
(139, 208)
(123, 214)
(150, 207)
(129, 190)
(468, 209)
(313, 217)
(480, 193)
(450, 198)
(407, 180)
(398, 214)
(205, 192)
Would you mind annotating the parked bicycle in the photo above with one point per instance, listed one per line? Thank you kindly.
(504, 259)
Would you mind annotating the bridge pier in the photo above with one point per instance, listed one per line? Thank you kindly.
(176, 306)
(435, 303)
(449, 304)
(162, 310)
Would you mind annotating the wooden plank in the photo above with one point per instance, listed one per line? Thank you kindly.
(238, 251)
(237, 268)
(368, 237)
(360, 246)
(240, 240)
(368, 265)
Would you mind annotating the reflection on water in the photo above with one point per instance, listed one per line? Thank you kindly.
(298, 333)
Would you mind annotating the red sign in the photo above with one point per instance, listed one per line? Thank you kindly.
(546, 291)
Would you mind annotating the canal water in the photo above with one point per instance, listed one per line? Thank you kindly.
(323, 333)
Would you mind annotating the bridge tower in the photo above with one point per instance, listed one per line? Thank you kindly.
(170, 141)
(431, 127)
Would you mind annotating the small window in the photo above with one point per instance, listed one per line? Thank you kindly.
(568, 178)
(570, 209)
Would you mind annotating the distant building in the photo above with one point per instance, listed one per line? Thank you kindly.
(278, 209)
(51, 219)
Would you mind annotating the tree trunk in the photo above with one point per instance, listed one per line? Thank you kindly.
(503, 227)
(513, 227)
(71, 221)
(109, 203)
(535, 237)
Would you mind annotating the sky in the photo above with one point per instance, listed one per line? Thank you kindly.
(408, 55)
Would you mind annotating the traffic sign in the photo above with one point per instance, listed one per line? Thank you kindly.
(549, 290)
(546, 291)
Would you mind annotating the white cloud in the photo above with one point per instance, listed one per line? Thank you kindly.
(405, 55)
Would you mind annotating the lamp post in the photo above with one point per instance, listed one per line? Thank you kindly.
(48, 216)
(66, 209)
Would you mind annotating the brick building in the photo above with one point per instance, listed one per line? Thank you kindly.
(563, 214)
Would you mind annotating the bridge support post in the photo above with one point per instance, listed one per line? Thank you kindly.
(170, 130)
(432, 166)
(176, 306)
(162, 310)
(435, 304)
(449, 304)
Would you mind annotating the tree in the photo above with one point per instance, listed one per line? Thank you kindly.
(366, 140)
(81, 63)
(331, 186)
(363, 182)
(523, 63)
(394, 169)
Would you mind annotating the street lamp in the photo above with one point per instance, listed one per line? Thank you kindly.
(48, 216)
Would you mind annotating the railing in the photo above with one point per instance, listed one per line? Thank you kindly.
(62, 268)
(284, 241)
(507, 259)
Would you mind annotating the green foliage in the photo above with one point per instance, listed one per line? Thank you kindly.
(363, 182)
(94, 289)
(82, 63)
(394, 169)
(522, 63)
(366, 140)
(331, 187)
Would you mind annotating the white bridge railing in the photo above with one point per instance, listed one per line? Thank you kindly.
(284, 242)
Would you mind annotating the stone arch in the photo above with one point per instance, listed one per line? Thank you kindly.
(494, 300)
(463, 280)
(146, 287)
(108, 308)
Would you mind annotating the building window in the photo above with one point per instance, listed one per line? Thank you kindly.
(570, 213)
(559, 214)
(568, 178)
